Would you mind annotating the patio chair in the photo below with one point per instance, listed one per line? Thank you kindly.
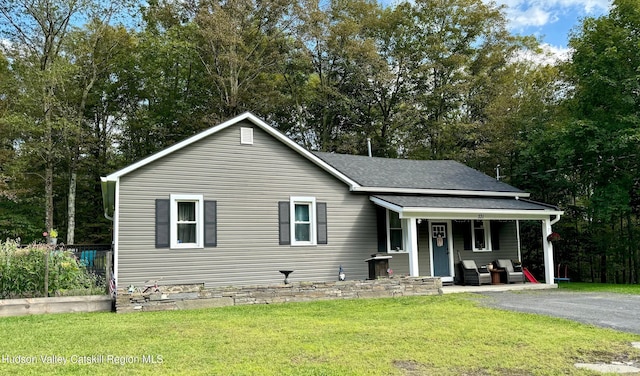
(87, 257)
(513, 276)
(474, 276)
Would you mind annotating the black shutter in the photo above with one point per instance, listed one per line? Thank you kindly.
(163, 229)
(321, 208)
(284, 223)
(210, 224)
(495, 235)
(463, 228)
(381, 225)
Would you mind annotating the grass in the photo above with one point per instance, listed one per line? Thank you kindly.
(434, 335)
(600, 287)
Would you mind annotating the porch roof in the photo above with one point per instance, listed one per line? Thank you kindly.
(452, 207)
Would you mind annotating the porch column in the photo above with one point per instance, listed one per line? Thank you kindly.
(411, 242)
(548, 252)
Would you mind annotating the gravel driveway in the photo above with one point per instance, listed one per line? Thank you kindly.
(608, 310)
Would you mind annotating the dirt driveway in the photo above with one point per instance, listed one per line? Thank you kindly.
(608, 310)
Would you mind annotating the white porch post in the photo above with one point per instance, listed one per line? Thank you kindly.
(548, 252)
(411, 242)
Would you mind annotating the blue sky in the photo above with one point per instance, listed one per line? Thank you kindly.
(551, 20)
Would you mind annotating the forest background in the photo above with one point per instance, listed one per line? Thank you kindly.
(88, 87)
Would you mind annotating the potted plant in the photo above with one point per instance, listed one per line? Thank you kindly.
(554, 236)
(53, 236)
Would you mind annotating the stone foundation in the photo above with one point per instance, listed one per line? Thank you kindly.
(197, 296)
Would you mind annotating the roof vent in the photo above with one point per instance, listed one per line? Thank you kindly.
(246, 136)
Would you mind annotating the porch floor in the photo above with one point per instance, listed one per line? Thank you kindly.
(454, 289)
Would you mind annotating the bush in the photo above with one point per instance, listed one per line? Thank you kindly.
(23, 271)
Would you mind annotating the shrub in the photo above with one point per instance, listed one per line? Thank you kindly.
(23, 271)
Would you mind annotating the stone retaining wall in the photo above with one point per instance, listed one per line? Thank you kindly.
(197, 296)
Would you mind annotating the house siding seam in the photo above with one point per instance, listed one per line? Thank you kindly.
(247, 183)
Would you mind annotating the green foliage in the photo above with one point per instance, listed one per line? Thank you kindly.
(17, 220)
(22, 271)
(586, 160)
(601, 287)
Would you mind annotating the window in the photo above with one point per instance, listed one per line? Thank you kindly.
(480, 236)
(302, 221)
(187, 221)
(303, 224)
(394, 231)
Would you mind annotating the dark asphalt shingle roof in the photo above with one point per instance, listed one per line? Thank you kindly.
(415, 174)
(453, 202)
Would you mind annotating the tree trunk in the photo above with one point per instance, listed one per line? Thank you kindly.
(603, 268)
(71, 205)
(49, 160)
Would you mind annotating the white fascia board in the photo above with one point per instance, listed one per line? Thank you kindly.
(465, 213)
(440, 192)
(256, 121)
(468, 213)
(387, 205)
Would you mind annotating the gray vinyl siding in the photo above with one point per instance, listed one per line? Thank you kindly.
(508, 246)
(400, 261)
(247, 181)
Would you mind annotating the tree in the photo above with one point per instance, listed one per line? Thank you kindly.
(37, 30)
(586, 159)
(241, 45)
(457, 51)
(332, 109)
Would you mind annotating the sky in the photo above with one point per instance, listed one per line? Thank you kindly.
(551, 20)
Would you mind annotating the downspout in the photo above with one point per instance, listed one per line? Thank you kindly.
(108, 197)
(555, 220)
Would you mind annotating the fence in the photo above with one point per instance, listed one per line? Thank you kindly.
(97, 258)
(33, 271)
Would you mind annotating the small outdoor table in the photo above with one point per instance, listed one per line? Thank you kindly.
(496, 276)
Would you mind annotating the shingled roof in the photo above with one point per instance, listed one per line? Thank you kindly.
(414, 174)
(475, 203)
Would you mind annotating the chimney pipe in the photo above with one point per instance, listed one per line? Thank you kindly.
(369, 145)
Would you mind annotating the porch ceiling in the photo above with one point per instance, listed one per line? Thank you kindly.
(447, 207)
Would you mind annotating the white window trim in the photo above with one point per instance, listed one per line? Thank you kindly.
(311, 201)
(486, 225)
(404, 240)
(175, 198)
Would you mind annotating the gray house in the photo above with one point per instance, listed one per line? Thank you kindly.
(239, 202)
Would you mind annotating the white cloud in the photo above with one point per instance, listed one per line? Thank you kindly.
(587, 6)
(534, 16)
(524, 13)
(550, 55)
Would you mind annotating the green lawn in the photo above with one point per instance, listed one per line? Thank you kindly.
(598, 287)
(434, 335)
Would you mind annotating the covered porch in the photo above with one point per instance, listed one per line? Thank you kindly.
(429, 235)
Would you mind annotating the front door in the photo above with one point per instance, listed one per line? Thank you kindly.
(440, 246)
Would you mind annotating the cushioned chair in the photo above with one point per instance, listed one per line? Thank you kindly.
(512, 274)
(474, 276)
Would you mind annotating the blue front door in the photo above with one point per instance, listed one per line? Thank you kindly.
(440, 246)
